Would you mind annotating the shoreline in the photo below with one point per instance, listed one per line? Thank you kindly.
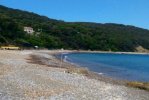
(95, 75)
(108, 79)
(32, 74)
(74, 69)
(111, 52)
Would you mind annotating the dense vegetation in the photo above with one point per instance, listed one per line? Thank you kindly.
(54, 34)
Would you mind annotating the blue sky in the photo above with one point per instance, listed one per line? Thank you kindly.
(130, 12)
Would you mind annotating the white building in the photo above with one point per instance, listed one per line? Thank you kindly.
(29, 30)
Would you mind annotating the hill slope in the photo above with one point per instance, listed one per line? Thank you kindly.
(60, 34)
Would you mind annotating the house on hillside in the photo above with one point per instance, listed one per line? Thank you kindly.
(29, 30)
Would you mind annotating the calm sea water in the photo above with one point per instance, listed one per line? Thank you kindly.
(132, 67)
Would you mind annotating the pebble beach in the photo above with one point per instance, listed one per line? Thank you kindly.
(24, 78)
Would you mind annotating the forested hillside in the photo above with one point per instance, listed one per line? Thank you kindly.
(53, 34)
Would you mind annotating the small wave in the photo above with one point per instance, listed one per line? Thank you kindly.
(64, 53)
(100, 73)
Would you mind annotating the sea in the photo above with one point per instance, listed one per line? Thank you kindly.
(131, 67)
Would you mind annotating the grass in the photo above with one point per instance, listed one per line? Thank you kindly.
(140, 85)
(83, 71)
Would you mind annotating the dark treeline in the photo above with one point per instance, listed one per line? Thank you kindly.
(53, 34)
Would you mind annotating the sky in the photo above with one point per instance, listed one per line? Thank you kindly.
(129, 12)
